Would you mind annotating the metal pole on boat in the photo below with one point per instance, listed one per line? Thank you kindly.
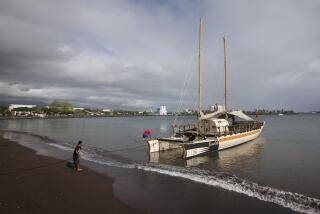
(199, 76)
(199, 70)
(225, 76)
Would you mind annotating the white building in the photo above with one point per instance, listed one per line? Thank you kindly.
(163, 110)
(106, 110)
(13, 106)
(216, 107)
(78, 108)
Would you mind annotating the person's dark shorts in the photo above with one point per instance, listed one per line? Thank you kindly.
(76, 160)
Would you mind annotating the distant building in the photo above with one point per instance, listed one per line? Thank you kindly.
(106, 110)
(79, 109)
(216, 107)
(13, 106)
(163, 110)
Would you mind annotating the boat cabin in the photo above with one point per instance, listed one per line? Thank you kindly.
(214, 126)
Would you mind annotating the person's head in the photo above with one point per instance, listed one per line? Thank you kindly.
(80, 142)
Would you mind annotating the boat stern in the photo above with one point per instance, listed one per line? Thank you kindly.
(154, 145)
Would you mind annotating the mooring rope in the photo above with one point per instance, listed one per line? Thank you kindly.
(64, 160)
(36, 167)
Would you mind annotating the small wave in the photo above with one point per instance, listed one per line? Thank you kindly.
(294, 201)
(15, 135)
(111, 163)
(62, 147)
(43, 138)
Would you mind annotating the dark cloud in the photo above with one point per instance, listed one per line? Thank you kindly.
(137, 54)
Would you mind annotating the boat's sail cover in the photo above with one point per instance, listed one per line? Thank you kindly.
(241, 115)
(218, 113)
(215, 114)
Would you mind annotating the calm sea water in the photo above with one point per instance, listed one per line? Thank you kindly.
(282, 166)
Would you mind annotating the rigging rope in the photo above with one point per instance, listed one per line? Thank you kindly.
(186, 81)
(36, 167)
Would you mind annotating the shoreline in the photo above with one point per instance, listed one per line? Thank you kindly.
(123, 116)
(32, 183)
(64, 117)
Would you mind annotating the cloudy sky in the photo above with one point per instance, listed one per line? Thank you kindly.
(137, 54)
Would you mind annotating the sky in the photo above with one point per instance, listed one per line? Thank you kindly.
(140, 54)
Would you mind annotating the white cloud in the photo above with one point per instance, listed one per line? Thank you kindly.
(136, 54)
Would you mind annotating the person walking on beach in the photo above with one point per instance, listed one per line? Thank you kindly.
(76, 156)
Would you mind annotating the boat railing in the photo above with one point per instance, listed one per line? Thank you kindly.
(183, 127)
(223, 130)
(239, 128)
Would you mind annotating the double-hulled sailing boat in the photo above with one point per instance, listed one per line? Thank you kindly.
(219, 130)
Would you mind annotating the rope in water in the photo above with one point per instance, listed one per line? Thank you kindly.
(34, 168)
(124, 149)
(62, 161)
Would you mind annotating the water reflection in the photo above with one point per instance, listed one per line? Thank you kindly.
(197, 161)
(164, 128)
(241, 157)
(32, 125)
(173, 157)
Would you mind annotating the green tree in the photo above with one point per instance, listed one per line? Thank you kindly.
(4, 111)
(61, 107)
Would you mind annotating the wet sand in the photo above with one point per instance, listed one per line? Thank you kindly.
(31, 183)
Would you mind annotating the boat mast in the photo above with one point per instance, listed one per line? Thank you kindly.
(199, 71)
(225, 76)
(199, 77)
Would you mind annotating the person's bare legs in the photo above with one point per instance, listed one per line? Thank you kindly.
(77, 167)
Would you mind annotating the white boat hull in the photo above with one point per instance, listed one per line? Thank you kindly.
(154, 145)
(197, 148)
(229, 141)
(160, 145)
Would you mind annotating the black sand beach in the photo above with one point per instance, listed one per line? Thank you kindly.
(52, 188)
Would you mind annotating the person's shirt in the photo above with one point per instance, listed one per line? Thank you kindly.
(76, 152)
